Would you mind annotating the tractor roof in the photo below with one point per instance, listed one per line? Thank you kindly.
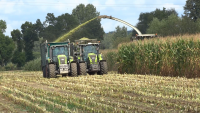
(86, 41)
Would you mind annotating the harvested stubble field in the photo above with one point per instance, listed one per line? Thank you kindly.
(30, 92)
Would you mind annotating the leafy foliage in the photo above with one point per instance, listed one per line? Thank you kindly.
(33, 65)
(2, 26)
(55, 27)
(29, 36)
(6, 48)
(17, 37)
(10, 66)
(19, 58)
(174, 25)
(112, 40)
(146, 18)
(192, 9)
(93, 29)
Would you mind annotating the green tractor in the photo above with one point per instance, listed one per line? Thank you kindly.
(56, 59)
(89, 55)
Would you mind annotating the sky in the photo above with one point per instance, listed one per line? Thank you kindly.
(17, 12)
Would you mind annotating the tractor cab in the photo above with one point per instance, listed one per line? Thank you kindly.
(90, 49)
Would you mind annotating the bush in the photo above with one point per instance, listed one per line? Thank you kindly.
(110, 57)
(2, 68)
(10, 66)
(33, 65)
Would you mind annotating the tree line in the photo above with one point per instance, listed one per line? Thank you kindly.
(25, 39)
(23, 45)
(168, 23)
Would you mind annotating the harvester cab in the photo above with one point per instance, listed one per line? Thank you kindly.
(89, 54)
(56, 59)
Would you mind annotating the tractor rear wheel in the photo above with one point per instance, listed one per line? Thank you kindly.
(52, 69)
(103, 68)
(73, 69)
(82, 70)
(44, 71)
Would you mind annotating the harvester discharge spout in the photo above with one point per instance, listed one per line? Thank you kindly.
(139, 35)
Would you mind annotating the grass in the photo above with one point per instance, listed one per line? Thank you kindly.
(108, 93)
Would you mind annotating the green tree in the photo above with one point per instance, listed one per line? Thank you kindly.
(39, 28)
(6, 48)
(92, 30)
(57, 26)
(120, 36)
(113, 39)
(107, 41)
(65, 23)
(146, 18)
(192, 9)
(29, 36)
(50, 32)
(120, 32)
(166, 27)
(174, 25)
(2, 26)
(17, 37)
(188, 26)
(50, 19)
(18, 56)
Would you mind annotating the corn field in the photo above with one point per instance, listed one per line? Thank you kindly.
(170, 56)
(107, 93)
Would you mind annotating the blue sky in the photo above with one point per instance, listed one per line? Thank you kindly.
(16, 12)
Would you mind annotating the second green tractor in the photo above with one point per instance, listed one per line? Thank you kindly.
(89, 59)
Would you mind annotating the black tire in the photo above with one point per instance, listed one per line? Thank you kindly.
(52, 69)
(44, 71)
(73, 69)
(47, 71)
(82, 70)
(103, 68)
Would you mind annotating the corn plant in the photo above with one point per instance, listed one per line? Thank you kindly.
(177, 57)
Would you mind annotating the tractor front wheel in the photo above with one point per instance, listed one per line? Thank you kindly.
(73, 69)
(103, 68)
(52, 69)
(82, 70)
